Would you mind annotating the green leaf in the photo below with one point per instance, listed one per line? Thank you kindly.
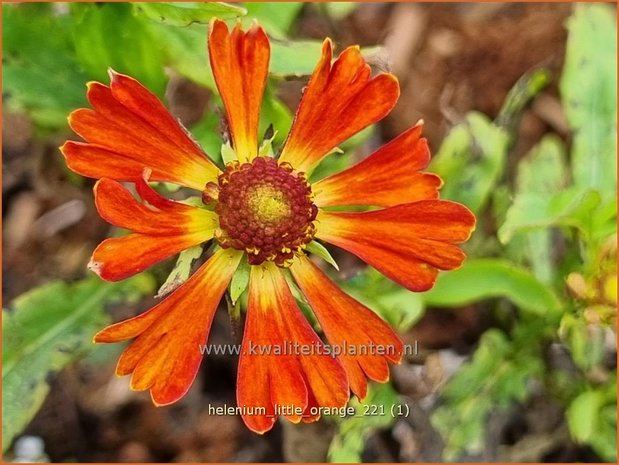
(576, 207)
(336, 10)
(544, 169)
(274, 112)
(207, 133)
(589, 93)
(494, 379)
(276, 18)
(186, 13)
(240, 280)
(527, 87)
(181, 271)
(186, 52)
(373, 413)
(472, 158)
(320, 250)
(299, 57)
(46, 329)
(294, 58)
(586, 343)
(489, 278)
(110, 36)
(582, 415)
(541, 174)
(39, 72)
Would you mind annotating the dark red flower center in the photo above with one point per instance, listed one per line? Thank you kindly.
(264, 208)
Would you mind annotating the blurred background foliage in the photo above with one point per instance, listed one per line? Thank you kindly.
(542, 267)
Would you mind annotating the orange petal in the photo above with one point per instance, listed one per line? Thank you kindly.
(117, 206)
(366, 342)
(130, 127)
(408, 243)
(283, 362)
(165, 355)
(390, 176)
(164, 229)
(118, 258)
(339, 101)
(240, 63)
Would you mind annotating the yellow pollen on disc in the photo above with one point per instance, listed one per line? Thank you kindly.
(268, 204)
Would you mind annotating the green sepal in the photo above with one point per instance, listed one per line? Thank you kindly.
(320, 250)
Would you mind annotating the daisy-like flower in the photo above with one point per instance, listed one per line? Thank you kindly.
(264, 210)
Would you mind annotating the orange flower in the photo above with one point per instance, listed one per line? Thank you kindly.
(264, 209)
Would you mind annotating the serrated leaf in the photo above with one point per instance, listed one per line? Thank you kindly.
(480, 279)
(46, 329)
(240, 280)
(181, 271)
(320, 250)
(589, 94)
(186, 13)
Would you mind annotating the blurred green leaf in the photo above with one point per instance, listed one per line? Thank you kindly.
(276, 17)
(582, 415)
(299, 57)
(495, 379)
(585, 342)
(527, 87)
(110, 36)
(472, 157)
(373, 413)
(480, 279)
(207, 132)
(294, 58)
(336, 10)
(572, 207)
(186, 52)
(39, 72)
(44, 330)
(604, 438)
(544, 169)
(186, 13)
(541, 174)
(589, 92)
